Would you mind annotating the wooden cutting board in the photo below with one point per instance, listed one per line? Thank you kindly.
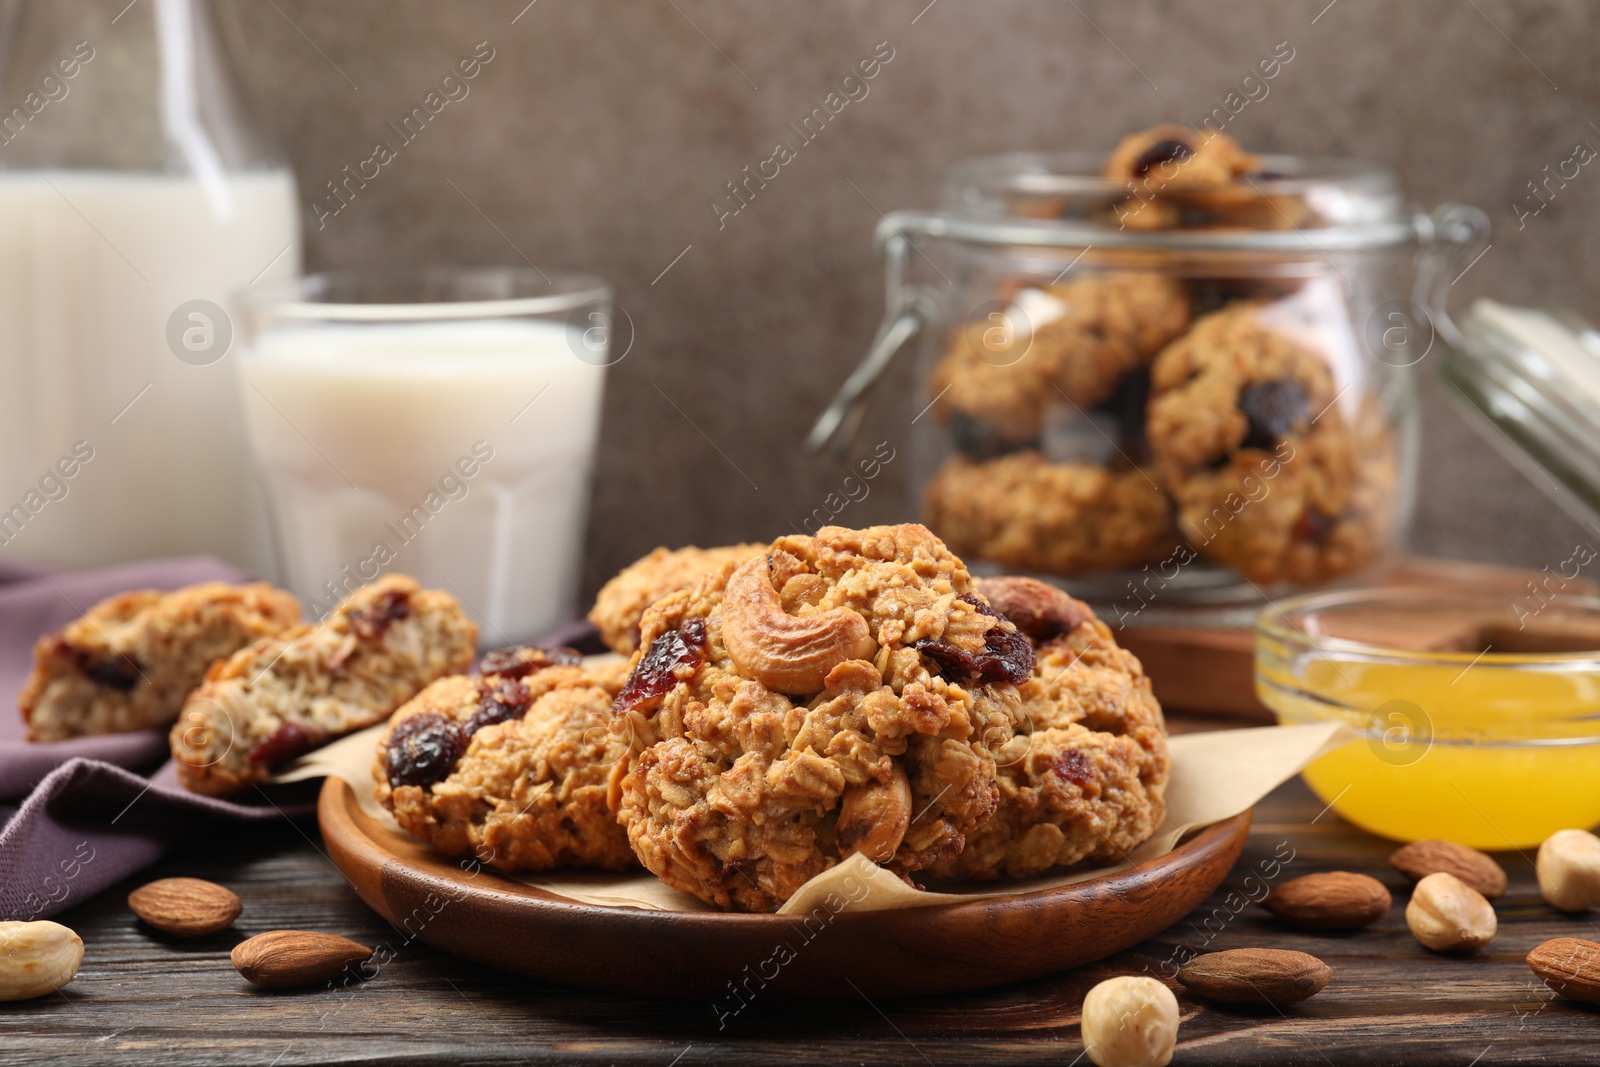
(1211, 671)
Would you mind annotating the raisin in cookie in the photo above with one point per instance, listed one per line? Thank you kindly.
(1270, 475)
(622, 600)
(510, 765)
(1085, 776)
(841, 693)
(131, 660)
(283, 696)
(1058, 518)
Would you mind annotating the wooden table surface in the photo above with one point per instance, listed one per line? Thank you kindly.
(142, 998)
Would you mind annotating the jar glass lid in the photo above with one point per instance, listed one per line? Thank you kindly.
(1288, 203)
(1305, 192)
(1529, 379)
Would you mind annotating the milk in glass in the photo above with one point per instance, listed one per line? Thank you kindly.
(456, 451)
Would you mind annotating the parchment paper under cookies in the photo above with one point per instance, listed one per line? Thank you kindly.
(1215, 776)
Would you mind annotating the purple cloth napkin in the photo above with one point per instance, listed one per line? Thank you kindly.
(88, 820)
(91, 817)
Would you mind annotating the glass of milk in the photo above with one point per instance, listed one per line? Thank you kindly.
(439, 423)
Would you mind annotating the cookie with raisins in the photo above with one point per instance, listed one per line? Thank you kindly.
(510, 765)
(838, 694)
(1024, 511)
(284, 695)
(1085, 776)
(1276, 470)
(994, 386)
(130, 661)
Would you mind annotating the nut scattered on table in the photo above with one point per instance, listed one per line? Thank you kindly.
(1448, 915)
(1569, 966)
(37, 958)
(1333, 900)
(1130, 1022)
(1255, 976)
(185, 907)
(1569, 870)
(283, 958)
(1478, 869)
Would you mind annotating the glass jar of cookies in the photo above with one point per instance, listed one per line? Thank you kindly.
(1179, 374)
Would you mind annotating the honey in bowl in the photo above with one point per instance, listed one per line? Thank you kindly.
(1480, 713)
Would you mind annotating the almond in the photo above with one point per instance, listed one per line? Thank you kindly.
(1253, 975)
(295, 957)
(185, 907)
(1569, 966)
(1421, 858)
(1335, 900)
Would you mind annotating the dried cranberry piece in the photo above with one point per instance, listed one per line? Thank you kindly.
(511, 662)
(656, 674)
(423, 749)
(1159, 153)
(118, 670)
(1313, 525)
(1074, 766)
(502, 699)
(1274, 409)
(289, 740)
(1006, 657)
(519, 662)
(373, 621)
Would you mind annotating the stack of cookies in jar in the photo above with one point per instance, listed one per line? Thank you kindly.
(1152, 406)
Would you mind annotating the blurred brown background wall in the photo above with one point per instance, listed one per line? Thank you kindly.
(601, 129)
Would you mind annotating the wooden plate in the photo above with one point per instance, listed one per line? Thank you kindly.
(939, 949)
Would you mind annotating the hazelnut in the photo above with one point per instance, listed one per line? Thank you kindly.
(1569, 870)
(1448, 915)
(1130, 1022)
(38, 958)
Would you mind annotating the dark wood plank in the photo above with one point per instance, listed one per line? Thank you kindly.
(143, 999)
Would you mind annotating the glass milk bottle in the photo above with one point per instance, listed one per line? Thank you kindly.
(134, 199)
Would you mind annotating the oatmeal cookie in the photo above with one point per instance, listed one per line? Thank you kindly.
(130, 661)
(992, 395)
(283, 696)
(1176, 157)
(1026, 512)
(510, 765)
(1268, 475)
(1191, 179)
(842, 693)
(1085, 776)
(1112, 324)
(622, 600)
(1093, 330)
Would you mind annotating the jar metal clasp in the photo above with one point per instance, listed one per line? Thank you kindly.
(908, 309)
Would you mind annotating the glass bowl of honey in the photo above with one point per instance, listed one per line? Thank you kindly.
(1478, 711)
